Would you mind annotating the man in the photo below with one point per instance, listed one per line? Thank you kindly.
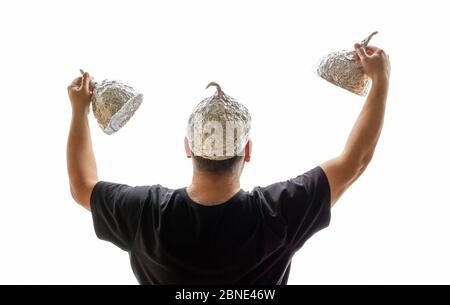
(212, 232)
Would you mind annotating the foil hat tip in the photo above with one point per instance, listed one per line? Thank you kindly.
(219, 89)
(366, 41)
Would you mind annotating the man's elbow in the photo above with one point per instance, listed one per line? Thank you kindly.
(355, 165)
(75, 195)
(82, 194)
(363, 164)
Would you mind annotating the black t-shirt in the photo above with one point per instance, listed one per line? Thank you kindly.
(250, 239)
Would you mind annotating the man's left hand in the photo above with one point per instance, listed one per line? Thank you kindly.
(80, 91)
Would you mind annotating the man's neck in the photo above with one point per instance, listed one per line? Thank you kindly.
(210, 189)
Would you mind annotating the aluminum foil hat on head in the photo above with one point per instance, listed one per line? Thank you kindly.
(113, 104)
(219, 127)
(344, 70)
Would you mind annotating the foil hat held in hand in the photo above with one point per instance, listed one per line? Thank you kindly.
(343, 69)
(219, 127)
(113, 104)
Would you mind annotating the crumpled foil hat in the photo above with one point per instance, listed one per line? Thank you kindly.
(343, 69)
(113, 104)
(219, 127)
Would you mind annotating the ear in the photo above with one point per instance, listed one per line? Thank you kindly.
(248, 151)
(187, 148)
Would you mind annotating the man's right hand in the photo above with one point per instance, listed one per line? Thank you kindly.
(375, 62)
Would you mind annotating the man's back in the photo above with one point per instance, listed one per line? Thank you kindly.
(249, 239)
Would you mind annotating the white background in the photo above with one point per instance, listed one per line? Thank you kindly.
(391, 227)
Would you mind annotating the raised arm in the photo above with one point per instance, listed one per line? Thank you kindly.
(359, 149)
(80, 155)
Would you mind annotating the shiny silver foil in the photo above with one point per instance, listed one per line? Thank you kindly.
(219, 127)
(343, 69)
(113, 104)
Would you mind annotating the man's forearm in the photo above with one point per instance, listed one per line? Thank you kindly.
(80, 159)
(364, 136)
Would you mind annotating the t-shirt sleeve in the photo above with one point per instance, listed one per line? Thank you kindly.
(116, 212)
(303, 203)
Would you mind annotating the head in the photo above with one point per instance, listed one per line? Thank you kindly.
(232, 166)
(218, 138)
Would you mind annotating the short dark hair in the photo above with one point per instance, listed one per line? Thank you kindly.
(217, 166)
